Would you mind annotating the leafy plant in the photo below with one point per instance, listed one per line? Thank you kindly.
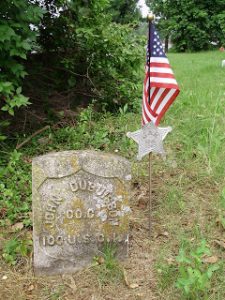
(15, 189)
(123, 110)
(97, 55)
(15, 248)
(192, 25)
(194, 277)
(16, 41)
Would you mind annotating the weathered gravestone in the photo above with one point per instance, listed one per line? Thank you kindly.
(80, 201)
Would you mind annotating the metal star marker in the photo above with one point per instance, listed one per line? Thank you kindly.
(150, 139)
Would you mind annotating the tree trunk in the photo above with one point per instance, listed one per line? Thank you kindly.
(166, 43)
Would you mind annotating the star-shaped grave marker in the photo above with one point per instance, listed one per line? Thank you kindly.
(149, 139)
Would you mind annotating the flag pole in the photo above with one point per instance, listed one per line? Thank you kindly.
(150, 18)
(150, 195)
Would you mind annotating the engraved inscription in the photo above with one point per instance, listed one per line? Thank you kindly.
(51, 209)
(80, 214)
(104, 198)
(88, 238)
(86, 185)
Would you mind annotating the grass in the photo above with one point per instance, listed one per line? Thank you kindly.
(199, 115)
(198, 121)
(188, 191)
(107, 266)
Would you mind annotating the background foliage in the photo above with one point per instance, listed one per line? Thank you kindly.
(192, 25)
(89, 52)
(86, 49)
(16, 40)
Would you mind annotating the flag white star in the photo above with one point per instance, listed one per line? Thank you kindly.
(149, 139)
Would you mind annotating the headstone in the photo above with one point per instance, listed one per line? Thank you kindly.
(80, 202)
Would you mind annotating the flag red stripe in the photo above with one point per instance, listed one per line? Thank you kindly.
(160, 84)
(161, 75)
(159, 65)
(164, 85)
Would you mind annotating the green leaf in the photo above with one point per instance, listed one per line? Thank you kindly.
(6, 32)
(2, 137)
(5, 108)
(17, 52)
(11, 111)
(25, 45)
(19, 90)
(20, 100)
(6, 87)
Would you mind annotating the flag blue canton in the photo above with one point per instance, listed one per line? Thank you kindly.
(154, 44)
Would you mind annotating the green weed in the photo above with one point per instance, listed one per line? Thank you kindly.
(16, 248)
(108, 268)
(194, 277)
(15, 189)
(55, 293)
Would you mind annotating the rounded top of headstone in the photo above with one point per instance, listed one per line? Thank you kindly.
(61, 164)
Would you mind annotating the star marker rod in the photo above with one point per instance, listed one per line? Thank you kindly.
(150, 18)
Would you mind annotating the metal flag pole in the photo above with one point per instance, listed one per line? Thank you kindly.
(150, 18)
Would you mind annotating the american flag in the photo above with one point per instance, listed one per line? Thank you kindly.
(159, 84)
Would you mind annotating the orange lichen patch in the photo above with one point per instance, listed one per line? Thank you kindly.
(77, 203)
(50, 229)
(75, 164)
(120, 190)
(122, 228)
(63, 161)
(119, 224)
(76, 218)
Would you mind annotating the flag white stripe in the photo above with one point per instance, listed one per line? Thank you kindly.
(163, 80)
(152, 91)
(146, 87)
(161, 70)
(165, 100)
(157, 96)
(149, 115)
(162, 60)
